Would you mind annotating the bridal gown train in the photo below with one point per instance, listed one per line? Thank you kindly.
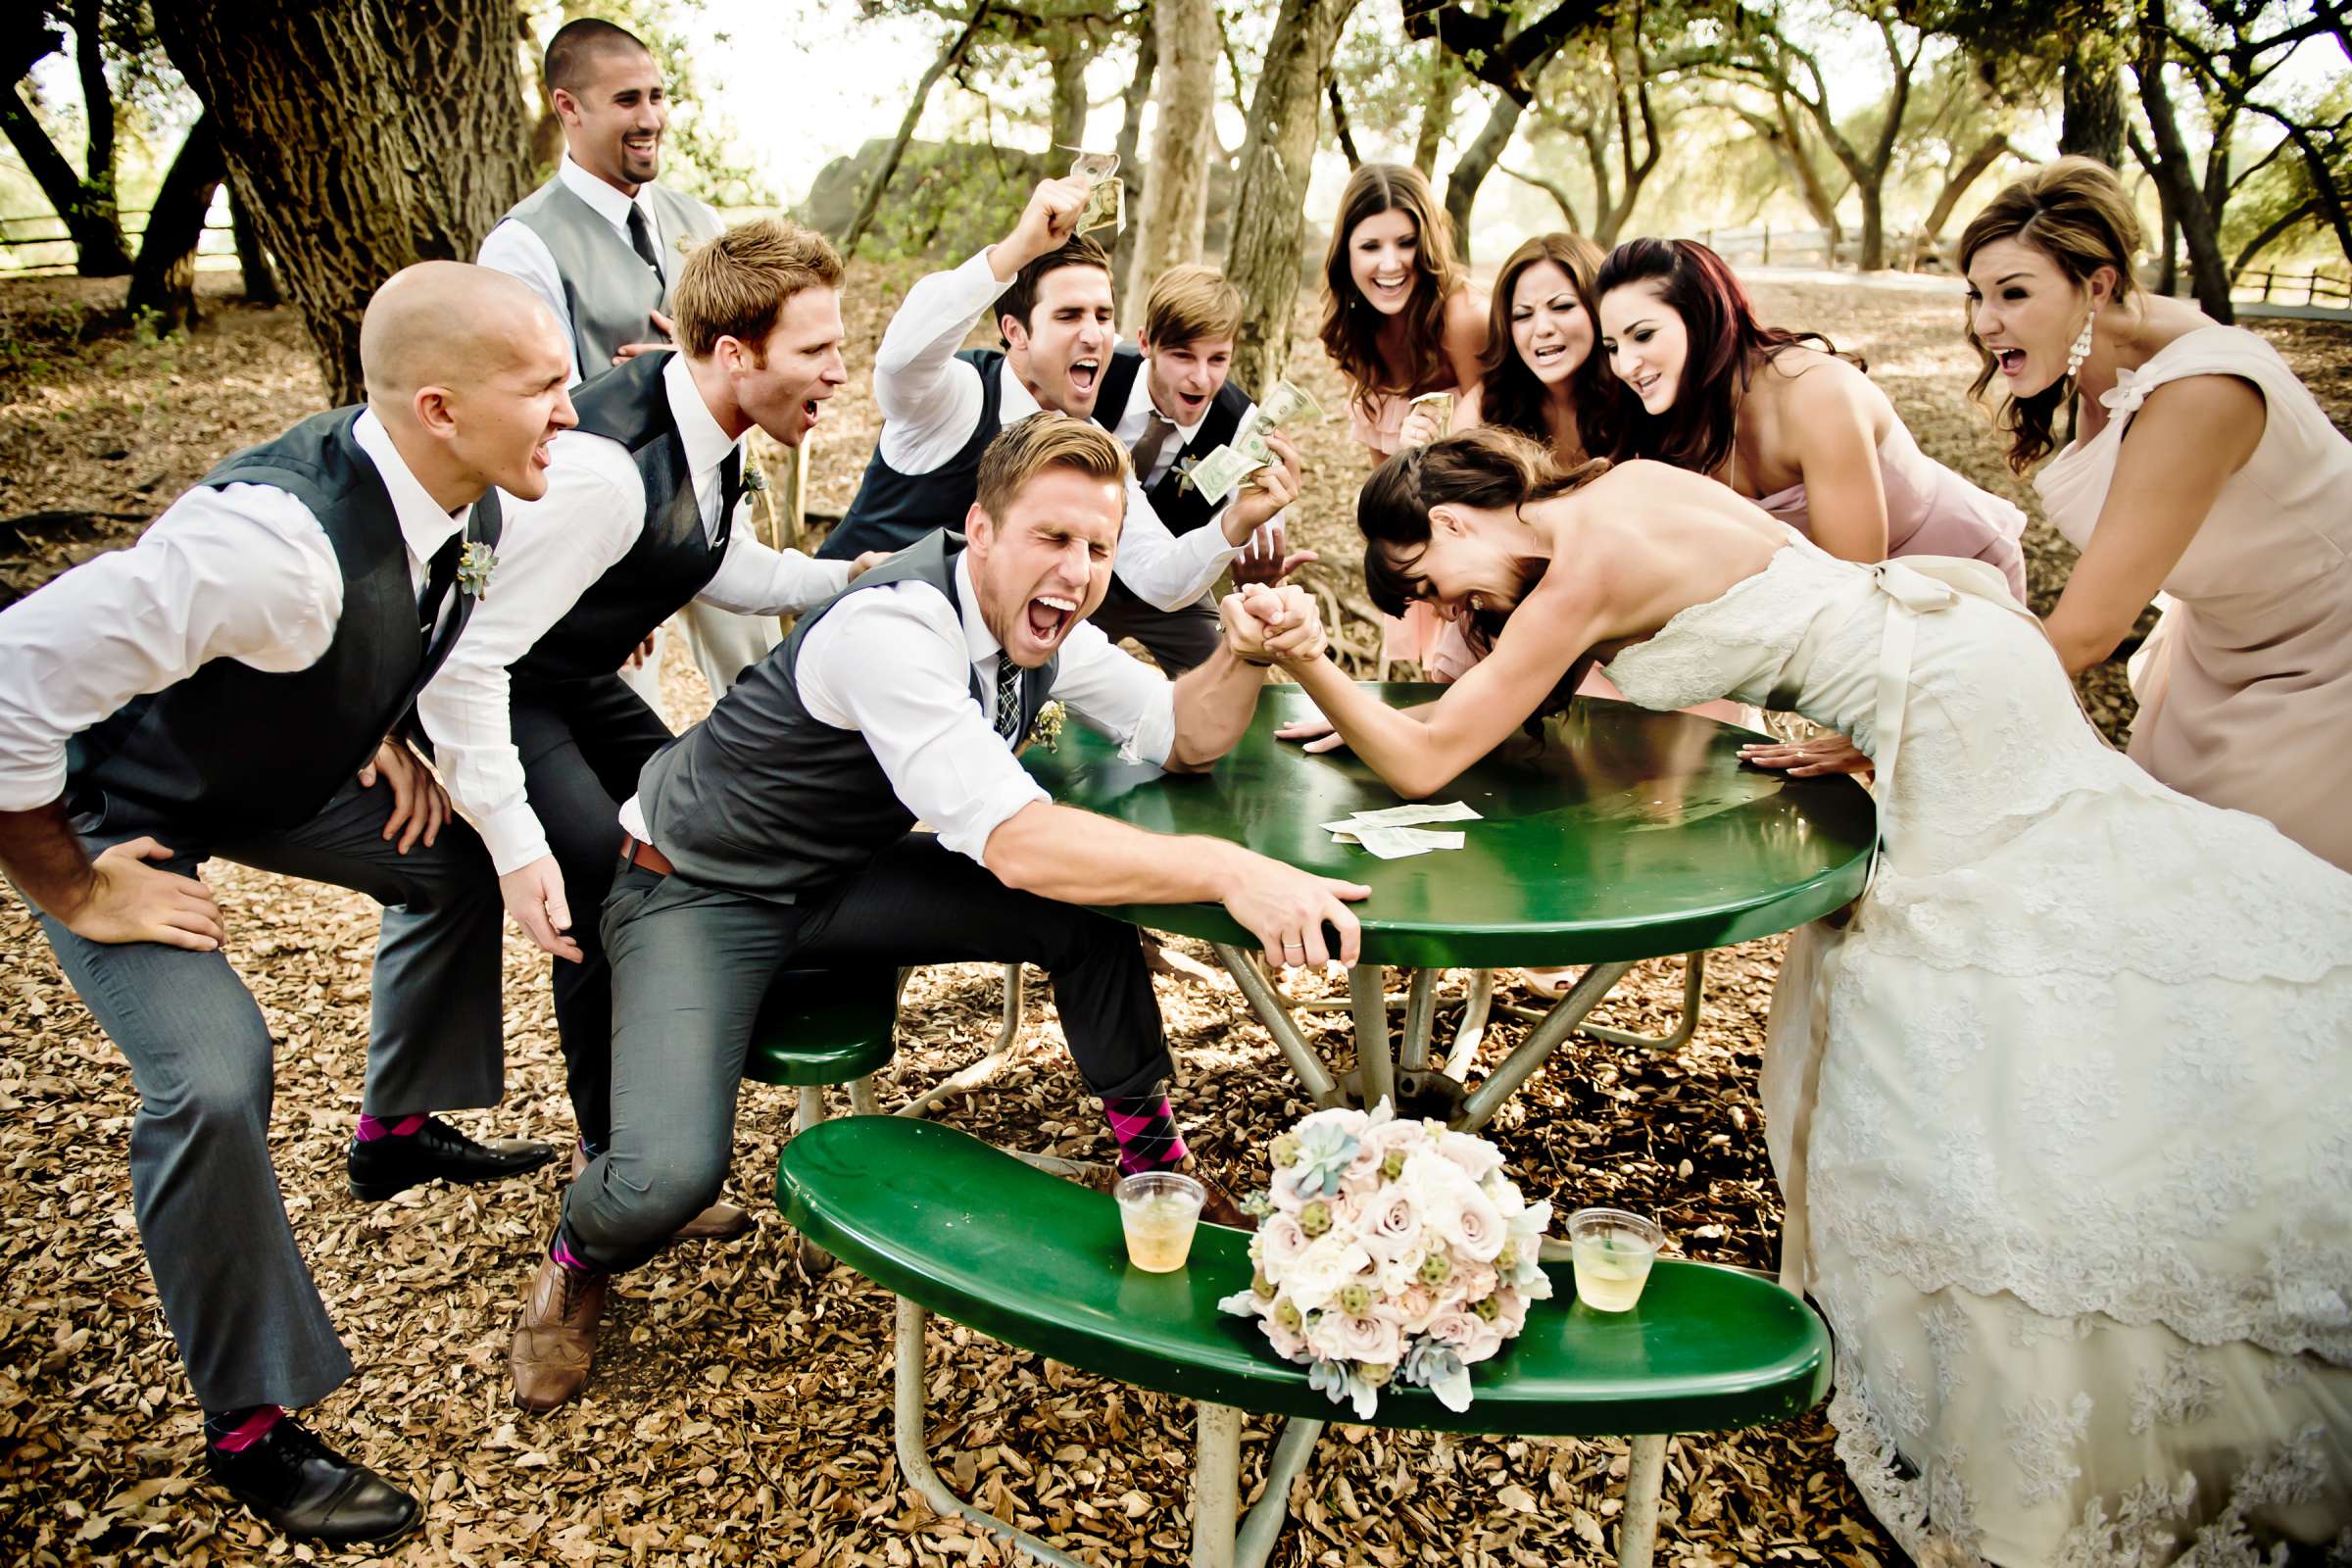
(2064, 1115)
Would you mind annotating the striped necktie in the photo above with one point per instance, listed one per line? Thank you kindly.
(1009, 700)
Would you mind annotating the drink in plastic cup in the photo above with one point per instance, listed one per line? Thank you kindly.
(1159, 1210)
(1611, 1252)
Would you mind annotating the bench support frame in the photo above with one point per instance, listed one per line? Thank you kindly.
(1222, 1537)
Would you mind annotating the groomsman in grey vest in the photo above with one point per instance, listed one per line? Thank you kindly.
(602, 243)
(226, 688)
(779, 833)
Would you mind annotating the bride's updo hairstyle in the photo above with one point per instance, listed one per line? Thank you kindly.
(1484, 466)
(2075, 212)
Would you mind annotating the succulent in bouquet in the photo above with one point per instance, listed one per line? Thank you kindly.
(1389, 1250)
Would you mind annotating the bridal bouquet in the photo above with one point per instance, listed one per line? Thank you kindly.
(1390, 1249)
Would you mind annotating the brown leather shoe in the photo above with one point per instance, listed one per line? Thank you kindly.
(554, 1336)
(720, 1222)
(1218, 1207)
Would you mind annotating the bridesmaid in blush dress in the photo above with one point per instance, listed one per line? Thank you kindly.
(2203, 474)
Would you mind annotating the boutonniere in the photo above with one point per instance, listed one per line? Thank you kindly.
(753, 481)
(1046, 728)
(475, 563)
(1184, 474)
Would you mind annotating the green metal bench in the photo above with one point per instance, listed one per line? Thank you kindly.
(821, 1027)
(958, 1227)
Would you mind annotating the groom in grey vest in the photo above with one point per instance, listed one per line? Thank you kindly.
(780, 833)
(601, 244)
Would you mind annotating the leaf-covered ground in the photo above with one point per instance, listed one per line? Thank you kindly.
(740, 1413)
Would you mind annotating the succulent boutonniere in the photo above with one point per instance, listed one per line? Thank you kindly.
(1184, 474)
(753, 481)
(1046, 728)
(475, 563)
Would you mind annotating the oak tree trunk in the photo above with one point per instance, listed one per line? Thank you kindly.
(362, 138)
(1069, 94)
(253, 257)
(871, 201)
(2091, 94)
(1477, 160)
(164, 277)
(1970, 169)
(1269, 218)
(1131, 135)
(1175, 206)
(2201, 221)
(98, 248)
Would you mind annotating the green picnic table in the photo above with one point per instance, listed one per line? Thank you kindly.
(957, 1226)
(1613, 835)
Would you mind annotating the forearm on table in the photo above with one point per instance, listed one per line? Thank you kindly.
(1393, 741)
(1075, 857)
(1214, 704)
(43, 855)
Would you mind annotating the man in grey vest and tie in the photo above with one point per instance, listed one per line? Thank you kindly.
(779, 833)
(602, 243)
(226, 688)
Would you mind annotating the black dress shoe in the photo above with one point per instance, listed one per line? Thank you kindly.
(307, 1490)
(380, 1168)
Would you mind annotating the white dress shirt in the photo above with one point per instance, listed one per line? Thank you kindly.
(896, 665)
(1136, 418)
(930, 401)
(242, 572)
(510, 247)
(551, 552)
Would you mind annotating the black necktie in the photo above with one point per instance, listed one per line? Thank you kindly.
(730, 491)
(1158, 430)
(1009, 700)
(439, 574)
(641, 235)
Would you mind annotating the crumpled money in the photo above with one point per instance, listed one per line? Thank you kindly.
(1286, 403)
(1397, 831)
(1105, 192)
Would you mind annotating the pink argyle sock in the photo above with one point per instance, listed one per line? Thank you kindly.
(373, 1127)
(250, 1431)
(1147, 1135)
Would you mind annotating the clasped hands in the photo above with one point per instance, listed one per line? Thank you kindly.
(1272, 625)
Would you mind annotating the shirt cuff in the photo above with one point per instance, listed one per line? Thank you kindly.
(1155, 734)
(514, 837)
(968, 834)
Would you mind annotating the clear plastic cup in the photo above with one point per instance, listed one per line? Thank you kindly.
(1611, 1252)
(1158, 1212)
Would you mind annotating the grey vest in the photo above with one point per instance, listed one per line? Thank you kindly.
(763, 798)
(609, 291)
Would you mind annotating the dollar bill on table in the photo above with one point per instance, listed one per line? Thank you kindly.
(1395, 843)
(1215, 475)
(1413, 815)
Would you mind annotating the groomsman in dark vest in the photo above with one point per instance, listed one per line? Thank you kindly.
(1051, 291)
(778, 833)
(233, 686)
(538, 739)
(1180, 406)
(602, 243)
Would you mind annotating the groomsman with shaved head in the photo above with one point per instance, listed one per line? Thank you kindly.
(235, 686)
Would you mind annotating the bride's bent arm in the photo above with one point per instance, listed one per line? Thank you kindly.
(1418, 752)
(2183, 446)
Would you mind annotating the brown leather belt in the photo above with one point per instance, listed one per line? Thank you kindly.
(636, 852)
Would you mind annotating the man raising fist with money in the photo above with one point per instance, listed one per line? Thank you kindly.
(1051, 289)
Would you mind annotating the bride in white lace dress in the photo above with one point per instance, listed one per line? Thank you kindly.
(2064, 1114)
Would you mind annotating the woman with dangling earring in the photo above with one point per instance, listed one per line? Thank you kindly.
(2201, 468)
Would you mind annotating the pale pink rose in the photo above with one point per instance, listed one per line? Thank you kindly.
(1475, 1155)
(1278, 1241)
(1484, 1339)
(1360, 1181)
(1510, 1311)
(1393, 1223)
(1472, 1282)
(1456, 1211)
(1289, 1344)
(1347, 1210)
(1397, 1137)
(1455, 1325)
(1337, 1337)
(1411, 1309)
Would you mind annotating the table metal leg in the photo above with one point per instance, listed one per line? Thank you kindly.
(1376, 1065)
(1694, 992)
(1638, 1535)
(914, 1463)
(1472, 1032)
(1420, 1010)
(1216, 1484)
(1312, 1075)
(1544, 1039)
(978, 1072)
(1263, 1526)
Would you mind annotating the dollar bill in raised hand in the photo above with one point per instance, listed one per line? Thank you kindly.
(1092, 167)
(1284, 402)
(1215, 475)
(1106, 206)
(1439, 406)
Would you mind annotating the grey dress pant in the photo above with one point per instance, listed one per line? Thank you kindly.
(691, 965)
(251, 1327)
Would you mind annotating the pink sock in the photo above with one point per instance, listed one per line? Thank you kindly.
(563, 1255)
(373, 1127)
(251, 1430)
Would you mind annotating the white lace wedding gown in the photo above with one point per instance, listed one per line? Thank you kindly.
(2064, 1115)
